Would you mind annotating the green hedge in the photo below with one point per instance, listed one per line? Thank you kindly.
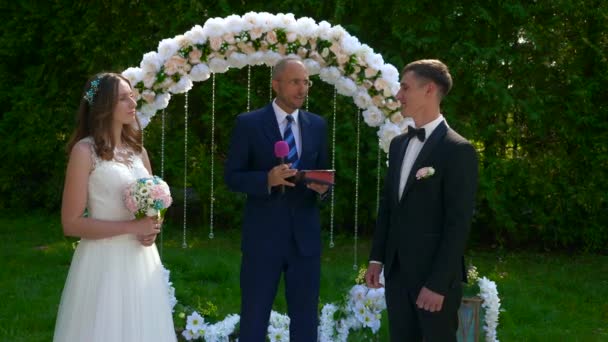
(529, 91)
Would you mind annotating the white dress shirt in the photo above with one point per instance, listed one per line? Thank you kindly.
(282, 121)
(412, 151)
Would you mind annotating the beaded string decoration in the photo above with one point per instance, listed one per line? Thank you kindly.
(333, 167)
(184, 244)
(358, 157)
(270, 86)
(162, 168)
(212, 185)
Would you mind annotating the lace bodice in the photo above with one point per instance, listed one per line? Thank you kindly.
(107, 182)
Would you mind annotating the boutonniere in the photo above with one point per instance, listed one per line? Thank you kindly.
(425, 172)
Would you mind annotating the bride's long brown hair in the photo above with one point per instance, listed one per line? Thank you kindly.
(95, 118)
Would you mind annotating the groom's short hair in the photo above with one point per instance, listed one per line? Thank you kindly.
(433, 70)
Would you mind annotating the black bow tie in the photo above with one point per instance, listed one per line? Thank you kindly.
(420, 133)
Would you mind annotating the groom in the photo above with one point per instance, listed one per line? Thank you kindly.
(281, 228)
(425, 213)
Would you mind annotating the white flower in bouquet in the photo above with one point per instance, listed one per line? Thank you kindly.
(148, 197)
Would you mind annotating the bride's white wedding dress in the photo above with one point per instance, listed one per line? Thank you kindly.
(115, 290)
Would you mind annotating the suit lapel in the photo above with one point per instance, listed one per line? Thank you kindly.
(271, 127)
(306, 135)
(428, 147)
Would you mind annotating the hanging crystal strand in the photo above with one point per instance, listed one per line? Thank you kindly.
(307, 99)
(162, 169)
(270, 86)
(184, 245)
(212, 193)
(333, 167)
(357, 187)
(379, 158)
(248, 88)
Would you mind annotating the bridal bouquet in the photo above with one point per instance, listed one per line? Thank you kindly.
(148, 197)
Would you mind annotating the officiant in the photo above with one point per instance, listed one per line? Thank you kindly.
(281, 232)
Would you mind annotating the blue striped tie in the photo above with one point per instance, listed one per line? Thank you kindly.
(292, 157)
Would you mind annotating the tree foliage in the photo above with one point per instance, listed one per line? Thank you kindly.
(529, 91)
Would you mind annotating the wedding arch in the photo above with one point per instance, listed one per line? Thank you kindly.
(263, 39)
(256, 39)
(253, 39)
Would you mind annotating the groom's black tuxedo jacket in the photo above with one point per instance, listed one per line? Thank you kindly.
(428, 227)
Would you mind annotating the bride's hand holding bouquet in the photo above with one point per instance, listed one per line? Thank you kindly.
(148, 199)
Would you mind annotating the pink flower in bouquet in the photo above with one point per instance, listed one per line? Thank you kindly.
(148, 197)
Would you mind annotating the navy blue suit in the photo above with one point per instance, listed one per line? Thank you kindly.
(281, 233)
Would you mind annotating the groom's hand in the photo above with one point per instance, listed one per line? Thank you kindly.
(429, 300)
(372, 275)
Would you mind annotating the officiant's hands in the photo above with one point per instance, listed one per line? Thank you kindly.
(278, 174)
(319, 188)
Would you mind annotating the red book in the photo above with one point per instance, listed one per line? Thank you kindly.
(317, 176)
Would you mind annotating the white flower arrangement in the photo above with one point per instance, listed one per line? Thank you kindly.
(361, 312)
(263, 39)
(491, 302)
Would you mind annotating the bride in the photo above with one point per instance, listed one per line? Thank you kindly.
(115, 289)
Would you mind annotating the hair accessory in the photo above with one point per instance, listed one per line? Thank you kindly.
(89, 95)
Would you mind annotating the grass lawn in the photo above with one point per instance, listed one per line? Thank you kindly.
(544, 296)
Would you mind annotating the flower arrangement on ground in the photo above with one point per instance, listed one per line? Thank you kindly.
(486, 289)
(360, 313)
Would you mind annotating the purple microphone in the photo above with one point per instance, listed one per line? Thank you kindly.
(281, 150)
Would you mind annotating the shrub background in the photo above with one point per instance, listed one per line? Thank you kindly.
(530, 92)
